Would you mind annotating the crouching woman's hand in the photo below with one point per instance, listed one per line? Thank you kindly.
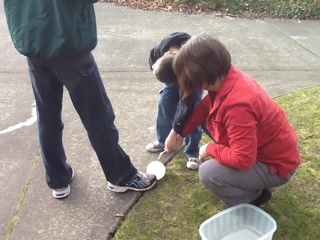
(173, 141)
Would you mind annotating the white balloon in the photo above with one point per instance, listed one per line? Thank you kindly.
(157, 168)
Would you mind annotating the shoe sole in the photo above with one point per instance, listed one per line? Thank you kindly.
(62, 195)
(119, 189)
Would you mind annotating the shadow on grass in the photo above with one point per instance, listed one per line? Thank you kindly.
(179, 203)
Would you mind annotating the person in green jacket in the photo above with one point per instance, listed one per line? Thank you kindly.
(57, 38)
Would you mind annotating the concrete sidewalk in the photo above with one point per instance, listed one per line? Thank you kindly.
(283, 56)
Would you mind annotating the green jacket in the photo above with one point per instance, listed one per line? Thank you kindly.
(52, 29)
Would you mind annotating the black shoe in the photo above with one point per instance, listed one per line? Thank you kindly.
(140, 182)
(264, 197)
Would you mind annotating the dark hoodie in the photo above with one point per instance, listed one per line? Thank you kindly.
(173, 39)
(52, 30)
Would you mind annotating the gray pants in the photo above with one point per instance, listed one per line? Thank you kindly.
(234, 186)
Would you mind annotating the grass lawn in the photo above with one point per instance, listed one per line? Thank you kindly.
(179, 203)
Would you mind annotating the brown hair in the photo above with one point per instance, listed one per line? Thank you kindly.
(164, 73)
(202, 60)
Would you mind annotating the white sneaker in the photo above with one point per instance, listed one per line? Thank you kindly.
(63, 192)
(154, 147)
(193, 163)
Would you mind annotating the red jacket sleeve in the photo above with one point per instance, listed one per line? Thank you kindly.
(240, 151)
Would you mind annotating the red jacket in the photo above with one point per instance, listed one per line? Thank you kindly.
(247, 126)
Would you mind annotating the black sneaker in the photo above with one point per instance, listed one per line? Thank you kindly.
(264, 197)
(140, 182)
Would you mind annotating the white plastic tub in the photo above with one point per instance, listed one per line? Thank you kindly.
(241, 222)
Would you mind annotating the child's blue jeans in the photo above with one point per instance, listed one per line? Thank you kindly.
(167, 106)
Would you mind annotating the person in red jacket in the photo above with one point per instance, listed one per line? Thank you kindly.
(254, 146)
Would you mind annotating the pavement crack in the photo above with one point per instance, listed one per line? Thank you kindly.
(22, 196)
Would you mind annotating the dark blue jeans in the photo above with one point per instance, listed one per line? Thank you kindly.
(169, 97)
(91, 102)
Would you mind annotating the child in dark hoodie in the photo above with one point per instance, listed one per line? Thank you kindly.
(173, 112)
